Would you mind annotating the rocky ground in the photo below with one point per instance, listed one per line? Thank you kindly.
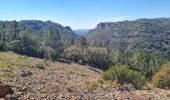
(59, 81)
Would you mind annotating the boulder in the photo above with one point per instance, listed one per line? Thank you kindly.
(128, 87)
(10, 97)
(40, 66)
(5, 89)
(5, 70)
(25, 73)
(125, 87)
(61, 60)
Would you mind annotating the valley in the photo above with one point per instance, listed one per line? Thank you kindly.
(44, 60)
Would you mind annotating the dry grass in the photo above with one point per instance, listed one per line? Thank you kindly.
(94, 84)
(3, 74)
(13, 61)
(83, 77)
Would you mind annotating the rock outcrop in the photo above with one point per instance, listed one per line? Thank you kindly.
(5, 89)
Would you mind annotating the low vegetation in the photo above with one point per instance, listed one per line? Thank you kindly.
(162, 78)
(9, 61)
(96, 57)
(35, 38)
(139, 60)
(121, 74)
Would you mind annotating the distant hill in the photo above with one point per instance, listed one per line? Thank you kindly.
(41, 26)
(81, 32)
(36, 38)
(153, 35)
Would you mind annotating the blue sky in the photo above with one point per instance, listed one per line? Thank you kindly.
(82, 14)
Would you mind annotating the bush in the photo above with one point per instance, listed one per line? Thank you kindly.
(2, 45)
(14, 46)
(96, 57)
(121, 74)
(162, 78)
(51, 54)
(40, 52)
(74, 53)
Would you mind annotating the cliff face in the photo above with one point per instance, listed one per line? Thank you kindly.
(152, 35)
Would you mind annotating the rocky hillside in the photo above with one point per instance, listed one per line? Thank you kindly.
(27, 78)
(152, 35)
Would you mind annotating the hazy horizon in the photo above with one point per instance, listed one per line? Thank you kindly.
(85, 14)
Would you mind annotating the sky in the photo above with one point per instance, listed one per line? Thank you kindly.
(83, 14)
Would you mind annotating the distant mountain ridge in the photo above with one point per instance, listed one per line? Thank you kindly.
(82, 32)
(153, 35)
(39, 26)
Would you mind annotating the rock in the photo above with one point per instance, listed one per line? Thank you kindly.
(5, 70)
(128, 87)
(25, 73)
(71, 89)
(40, 66)
(125, 87)
(10, 97)
(148, 87)
(4, 90)
(168, 94)
(64, 61)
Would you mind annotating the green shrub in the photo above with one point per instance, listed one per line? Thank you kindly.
(74, 53)
(121, 74)
(139, 60)
(2, 45)
(96, 57)
(162, 78)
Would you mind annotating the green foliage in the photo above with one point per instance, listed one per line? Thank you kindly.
(2, 45)
(41, 52)
(34, 38)
(139, 60)
(83, 42)
(122, 74)
(14, 46)
(53, 38)
(96, 57)
(50, 54)
(74, 53)
(162, 78)
(151, 35)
